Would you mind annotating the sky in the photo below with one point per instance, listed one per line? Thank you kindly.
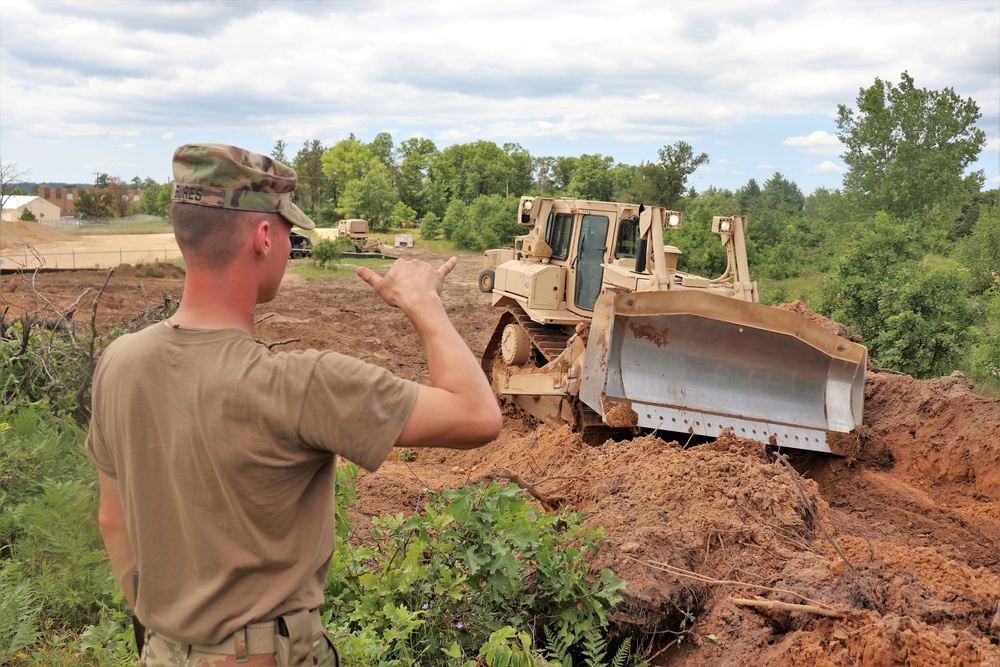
(115, 87)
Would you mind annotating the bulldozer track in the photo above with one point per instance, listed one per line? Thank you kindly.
(549, 340)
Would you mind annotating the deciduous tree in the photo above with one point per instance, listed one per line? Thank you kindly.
(593, 178)
(912, 318)
(383, 150)
(519, 179)
(371, 197)
(908, 148)
(150, 201)
(679, 162)
(662, 183)
(344, 162)
(417, 155)
(980, 251)
(308, 165)
(92, 204)
(542, 170)
(562, 172)
(118, 198)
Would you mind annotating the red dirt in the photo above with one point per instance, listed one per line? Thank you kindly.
(915, 511)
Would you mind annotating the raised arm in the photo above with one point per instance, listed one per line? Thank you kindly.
(458, 409)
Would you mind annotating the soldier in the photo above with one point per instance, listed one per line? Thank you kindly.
(216, 457)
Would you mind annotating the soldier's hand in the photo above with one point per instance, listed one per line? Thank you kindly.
(408, 282)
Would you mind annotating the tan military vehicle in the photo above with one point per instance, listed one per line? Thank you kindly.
(358, 231)
(600, 330)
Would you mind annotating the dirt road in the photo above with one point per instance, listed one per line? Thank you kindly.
(899, 542)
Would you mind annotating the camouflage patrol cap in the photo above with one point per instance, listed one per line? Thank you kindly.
(225, 176)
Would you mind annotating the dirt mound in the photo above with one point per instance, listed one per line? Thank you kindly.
(16, 234)
(939, 432)
(828, 324)
(690, 529)
(153, 270)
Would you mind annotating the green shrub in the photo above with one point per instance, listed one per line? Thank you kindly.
(431, 588)
(330, 251)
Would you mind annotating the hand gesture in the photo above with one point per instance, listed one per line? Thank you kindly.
(408, 283)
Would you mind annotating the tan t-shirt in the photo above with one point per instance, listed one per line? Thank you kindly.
(224, 456)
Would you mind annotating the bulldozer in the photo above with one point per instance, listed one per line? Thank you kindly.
(600, 330)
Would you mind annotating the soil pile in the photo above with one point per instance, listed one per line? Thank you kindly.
(17, 234)
(890, 556)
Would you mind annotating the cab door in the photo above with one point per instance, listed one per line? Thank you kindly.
(591, 249)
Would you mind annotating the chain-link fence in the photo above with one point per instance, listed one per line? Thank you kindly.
(29, 259)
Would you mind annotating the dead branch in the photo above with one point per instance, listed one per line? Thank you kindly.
(550, 502)
(81, 393)
(68, 312)
(276, 343)
(772, 605)
(681, 572)
(810, 508)
(777, 532)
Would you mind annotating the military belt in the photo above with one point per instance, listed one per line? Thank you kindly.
(253, 639)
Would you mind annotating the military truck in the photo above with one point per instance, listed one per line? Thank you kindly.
(600, 330)
(301, 245)
(358, 231)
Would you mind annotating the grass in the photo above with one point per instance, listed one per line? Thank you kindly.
(442, 247)
(932, 262)
(436, 246)
(161, 226)
(307, 269)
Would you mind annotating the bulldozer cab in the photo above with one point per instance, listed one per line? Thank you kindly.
(560, 262)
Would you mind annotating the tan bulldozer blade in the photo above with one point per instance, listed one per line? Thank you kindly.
(695, 362)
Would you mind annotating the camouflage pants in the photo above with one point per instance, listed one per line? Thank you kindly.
(162, 651)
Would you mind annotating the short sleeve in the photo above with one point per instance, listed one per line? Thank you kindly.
(355, 409)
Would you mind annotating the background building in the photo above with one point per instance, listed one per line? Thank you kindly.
(44, 211)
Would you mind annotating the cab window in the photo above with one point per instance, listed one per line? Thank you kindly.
(626, 247)
(558, 234)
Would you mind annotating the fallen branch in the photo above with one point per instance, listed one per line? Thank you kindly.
(809, 508)
(550, 502)
(681, 572)
(772, 605)
(276, 343)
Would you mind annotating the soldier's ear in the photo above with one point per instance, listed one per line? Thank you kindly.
(261, 237)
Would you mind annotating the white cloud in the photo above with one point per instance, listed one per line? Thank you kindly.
(827, 167)
(816, 143)
(129, 146)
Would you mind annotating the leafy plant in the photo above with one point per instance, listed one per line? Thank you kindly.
(331, 251)
(55, 578)
(438, 585)
(19, 611)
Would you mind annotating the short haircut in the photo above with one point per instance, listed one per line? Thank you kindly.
(215, 235)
